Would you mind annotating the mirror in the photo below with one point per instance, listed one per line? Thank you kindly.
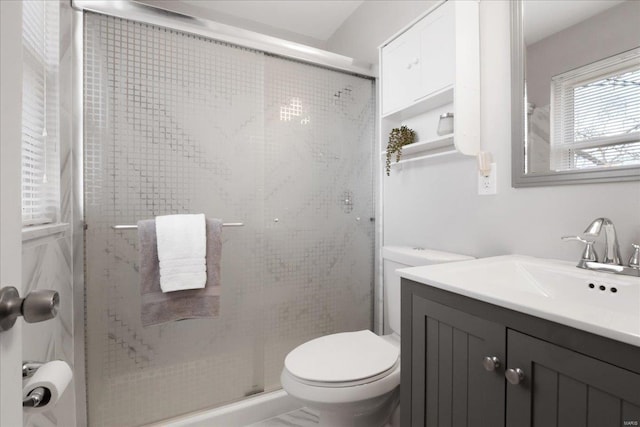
(575, 78)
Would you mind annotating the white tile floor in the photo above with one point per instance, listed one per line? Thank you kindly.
(300, 418)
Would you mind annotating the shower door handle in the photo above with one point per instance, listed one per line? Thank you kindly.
(37, 306)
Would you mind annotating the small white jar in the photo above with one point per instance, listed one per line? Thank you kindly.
(445, 125)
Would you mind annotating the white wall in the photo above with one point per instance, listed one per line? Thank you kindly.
(609, 33)
(436, 204)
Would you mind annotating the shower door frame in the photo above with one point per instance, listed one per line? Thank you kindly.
(223, 33)
(127, 9)
(77, 216)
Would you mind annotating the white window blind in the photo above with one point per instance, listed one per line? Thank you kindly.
(40, 118)
(595, 114)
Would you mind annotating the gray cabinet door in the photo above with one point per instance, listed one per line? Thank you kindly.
(565, 388)
(449, 386)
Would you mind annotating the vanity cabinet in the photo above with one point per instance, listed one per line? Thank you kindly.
(430, 68)
(563, 387)
(449, 385)
(570, 377)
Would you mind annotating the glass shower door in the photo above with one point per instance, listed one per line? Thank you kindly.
(318, 265)
(173, 124)
(177, 123)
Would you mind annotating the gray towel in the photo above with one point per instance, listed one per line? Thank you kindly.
(158, 307)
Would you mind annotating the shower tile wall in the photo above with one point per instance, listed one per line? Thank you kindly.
(176, 123)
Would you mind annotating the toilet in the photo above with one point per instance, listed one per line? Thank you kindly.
(352, 379)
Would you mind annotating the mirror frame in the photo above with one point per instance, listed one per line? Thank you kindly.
(518, 177)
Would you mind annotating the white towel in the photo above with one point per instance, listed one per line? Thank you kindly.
(182, 247)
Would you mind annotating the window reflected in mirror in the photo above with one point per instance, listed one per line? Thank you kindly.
(582, 85)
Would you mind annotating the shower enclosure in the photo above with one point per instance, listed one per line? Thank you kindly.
(179, 123)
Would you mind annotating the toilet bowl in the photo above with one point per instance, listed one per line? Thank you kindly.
(352, 379)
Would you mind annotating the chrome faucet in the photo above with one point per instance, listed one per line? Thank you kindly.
(611, 248)
(611, 262)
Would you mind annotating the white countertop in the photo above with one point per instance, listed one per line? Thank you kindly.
(549, 289)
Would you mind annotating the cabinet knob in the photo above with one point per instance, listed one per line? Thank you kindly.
(413, 62)
(491, 363)
(514, 376)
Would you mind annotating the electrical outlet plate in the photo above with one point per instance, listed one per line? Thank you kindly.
(487, 184)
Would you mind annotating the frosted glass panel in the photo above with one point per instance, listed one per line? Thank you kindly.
(176, 123)
(318, 184)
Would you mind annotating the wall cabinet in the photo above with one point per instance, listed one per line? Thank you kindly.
(420, 62)
(436, 37)
(400, 63)
(430, 68)
(569, 377)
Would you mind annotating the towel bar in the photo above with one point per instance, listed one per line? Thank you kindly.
(133, 227)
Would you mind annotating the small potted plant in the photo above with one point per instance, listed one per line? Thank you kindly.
(398, 138)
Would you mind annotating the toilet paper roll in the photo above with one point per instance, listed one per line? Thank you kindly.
(54, 376)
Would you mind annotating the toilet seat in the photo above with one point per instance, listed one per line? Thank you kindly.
(343, 360)
(322, 394)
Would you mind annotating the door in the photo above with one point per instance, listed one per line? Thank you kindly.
(450, 385)
(437, 50)
(563, 388)
(400, 68)
(10, 210)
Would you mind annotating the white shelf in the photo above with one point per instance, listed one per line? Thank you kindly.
(427, 148)
(422, 105)
(428, 156)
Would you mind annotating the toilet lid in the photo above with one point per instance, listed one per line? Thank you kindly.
(343, 357)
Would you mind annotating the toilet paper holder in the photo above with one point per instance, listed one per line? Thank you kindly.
(38, 396)
(30, 367)
(43, 383)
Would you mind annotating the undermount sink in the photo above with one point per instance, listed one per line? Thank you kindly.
(601, 303)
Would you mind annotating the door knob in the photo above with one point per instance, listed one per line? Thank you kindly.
(514, 376)
(37, 306)
(491, 363)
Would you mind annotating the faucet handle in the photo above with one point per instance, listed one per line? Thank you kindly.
(589, 253)
(634, 261)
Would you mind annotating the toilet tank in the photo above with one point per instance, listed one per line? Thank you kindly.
(395, 257)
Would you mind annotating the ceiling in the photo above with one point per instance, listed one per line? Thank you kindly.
(317, 19)
(545, 17)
